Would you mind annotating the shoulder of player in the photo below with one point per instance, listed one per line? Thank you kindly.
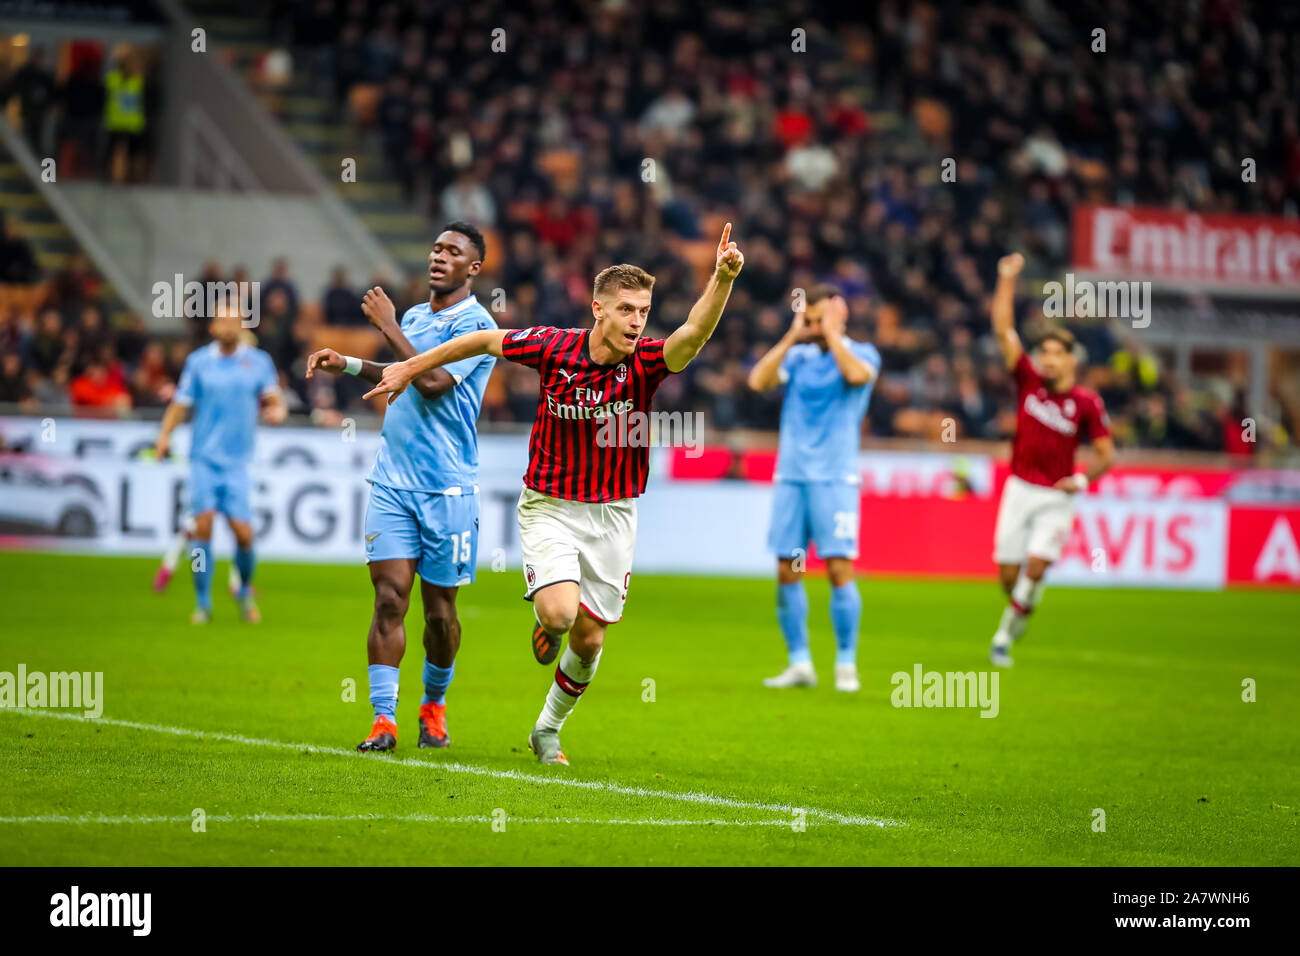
(474, 319)
(248, 352)
(566, 345)
(1024, 369)
(415, 312)
(1084, 394)
(795, 356)
(545, 345)
(649, 351)
(483, 321)
(539, 333)
(202, 357)
(864, 349)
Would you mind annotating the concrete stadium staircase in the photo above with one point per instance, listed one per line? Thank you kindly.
(53, 244)
(243, 32)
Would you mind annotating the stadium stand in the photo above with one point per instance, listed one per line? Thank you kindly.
(831, 168)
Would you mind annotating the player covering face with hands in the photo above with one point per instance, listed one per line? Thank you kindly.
(577, 511)
(828, 379)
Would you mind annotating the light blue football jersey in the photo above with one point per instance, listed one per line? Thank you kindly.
(226, 393)
(432, 445)
(821, 415)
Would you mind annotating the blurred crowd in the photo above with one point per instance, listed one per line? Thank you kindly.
(60, 348)
(596, 133)
(96, 118)
(583, 134)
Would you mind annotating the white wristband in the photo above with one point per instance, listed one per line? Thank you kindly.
(351, 365)
(1080, 481)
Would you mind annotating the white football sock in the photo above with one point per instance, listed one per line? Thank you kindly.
(1003, 636)
(1025, 594)
(172, 555)
(572, 675)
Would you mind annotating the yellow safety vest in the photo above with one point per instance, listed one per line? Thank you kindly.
(124, 103)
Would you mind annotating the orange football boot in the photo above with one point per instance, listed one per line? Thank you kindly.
(545, 647)
(433, 725)
(383, 736)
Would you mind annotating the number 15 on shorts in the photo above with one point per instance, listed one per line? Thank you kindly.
(460, 546)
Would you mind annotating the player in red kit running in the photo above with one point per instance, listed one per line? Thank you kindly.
(577, 512)
(1054, 415)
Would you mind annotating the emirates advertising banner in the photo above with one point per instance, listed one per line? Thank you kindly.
(1175, 248)
(83, 486)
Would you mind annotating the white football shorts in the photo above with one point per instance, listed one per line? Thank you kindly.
(1034, 521)
(590, 542)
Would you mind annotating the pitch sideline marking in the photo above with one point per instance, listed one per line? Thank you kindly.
(380, 818)
(685, 796)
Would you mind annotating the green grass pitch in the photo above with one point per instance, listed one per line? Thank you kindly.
(1124, 701)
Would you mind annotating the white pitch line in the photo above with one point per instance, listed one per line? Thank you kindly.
(451, 766)
(380, 818)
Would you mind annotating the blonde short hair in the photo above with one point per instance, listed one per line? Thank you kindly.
(622, 277)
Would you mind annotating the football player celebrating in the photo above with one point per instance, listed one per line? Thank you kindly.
(1055, 413)
(577, 511)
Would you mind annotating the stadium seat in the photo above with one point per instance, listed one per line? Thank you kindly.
(361, 342)
(24, 299)
(363, 101)
(563, 165)
(933, 118)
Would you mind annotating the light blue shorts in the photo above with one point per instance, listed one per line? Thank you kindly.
(223, 488)
(823, 512)
(439, 531)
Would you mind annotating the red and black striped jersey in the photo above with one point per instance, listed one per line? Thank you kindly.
(1050, 425)
(583, 406)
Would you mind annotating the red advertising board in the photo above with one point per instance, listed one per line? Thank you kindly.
(1151, 543)
(1140, 243)
(1141, 526)
(1264, 546)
